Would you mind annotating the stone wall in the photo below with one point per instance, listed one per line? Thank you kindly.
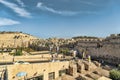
(108, 51)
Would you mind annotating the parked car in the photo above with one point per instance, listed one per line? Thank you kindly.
(21, 62)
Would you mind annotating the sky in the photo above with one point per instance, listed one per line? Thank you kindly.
(61, 18)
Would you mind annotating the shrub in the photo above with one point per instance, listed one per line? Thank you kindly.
(115, 74)
(18, 52)
(65, 51)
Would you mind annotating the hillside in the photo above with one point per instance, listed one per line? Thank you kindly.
(15, 39)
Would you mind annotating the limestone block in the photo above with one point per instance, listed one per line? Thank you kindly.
(97, 63)
(89, 66)
(83, 77)
(73, 69)
(81, 67)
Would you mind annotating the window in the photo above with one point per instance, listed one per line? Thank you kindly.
(51, 76)
(62, 72)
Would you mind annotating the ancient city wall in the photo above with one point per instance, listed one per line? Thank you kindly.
(107, 49)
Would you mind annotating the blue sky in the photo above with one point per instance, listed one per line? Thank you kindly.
(61, 18)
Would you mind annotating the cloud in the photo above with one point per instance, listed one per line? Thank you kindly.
(88, 3)
(6, 21)
(21, 11)
(42, 7)
(64, 12)
(21, 3)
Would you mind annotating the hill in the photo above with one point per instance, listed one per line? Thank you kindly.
(15, 39)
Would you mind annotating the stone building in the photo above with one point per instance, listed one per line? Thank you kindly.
(62, 70)
(42, 71)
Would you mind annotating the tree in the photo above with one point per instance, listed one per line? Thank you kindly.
(18, 52)
(65, 51)
(115, 74)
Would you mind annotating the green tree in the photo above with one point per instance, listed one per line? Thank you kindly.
(115, 74)
(18, 52)
(65, 51)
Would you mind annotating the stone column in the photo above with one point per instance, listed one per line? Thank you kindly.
(56, 74)
(89, 58)
(73, 69)
(45, 76)
(81, 67)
